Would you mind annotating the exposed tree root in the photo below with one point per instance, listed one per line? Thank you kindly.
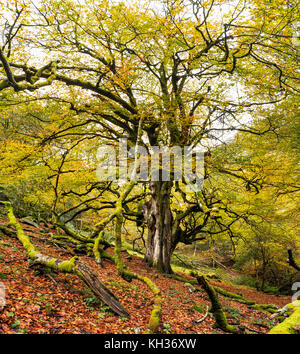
(216, 307)
(269, 308)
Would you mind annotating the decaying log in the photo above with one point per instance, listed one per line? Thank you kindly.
(99, 289)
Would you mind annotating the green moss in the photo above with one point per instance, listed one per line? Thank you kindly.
(51, 263)
(286, 327)
(216, 307)
(68, 266)
(293, 305)
(32, 254)
(118, 242)
(233, 295)
(73, 236)
(128, 276)
(107, 255)
(265, 308)
(180, 278)
(123, 271)
(65, 266)
(96, 250)
(198, 308)
(154, 320)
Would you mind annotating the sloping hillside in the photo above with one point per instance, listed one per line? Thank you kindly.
(41, 301)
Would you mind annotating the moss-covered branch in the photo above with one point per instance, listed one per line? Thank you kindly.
(269, 308)
(155, 316)
(31, 80)
(86, 244)
(216, 307)
(96, 249)
(72, 265)
(287, 326)
(72, 234)
(154, 320)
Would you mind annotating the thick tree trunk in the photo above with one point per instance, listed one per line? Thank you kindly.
(159, 219)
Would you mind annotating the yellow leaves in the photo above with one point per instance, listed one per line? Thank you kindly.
(15, 149)
(125, 74)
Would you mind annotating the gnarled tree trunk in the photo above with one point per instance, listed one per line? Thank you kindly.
(160, 242)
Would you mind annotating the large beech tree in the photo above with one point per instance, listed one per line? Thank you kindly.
(194, 72)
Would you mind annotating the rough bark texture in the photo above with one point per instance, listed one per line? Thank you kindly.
(159, 220)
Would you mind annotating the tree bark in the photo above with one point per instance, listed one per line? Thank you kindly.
(291, 260)
(99, 289)
(160, 242)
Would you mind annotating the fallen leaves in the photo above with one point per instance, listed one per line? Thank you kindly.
(37, 304)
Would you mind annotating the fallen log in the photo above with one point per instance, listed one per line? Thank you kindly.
(73, 265)
(99, 289)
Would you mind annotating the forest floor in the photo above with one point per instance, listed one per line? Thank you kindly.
(45, 302)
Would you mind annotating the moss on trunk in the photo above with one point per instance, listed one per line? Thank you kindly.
(123, 271)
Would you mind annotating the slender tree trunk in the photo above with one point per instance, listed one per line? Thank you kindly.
(160, 243)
